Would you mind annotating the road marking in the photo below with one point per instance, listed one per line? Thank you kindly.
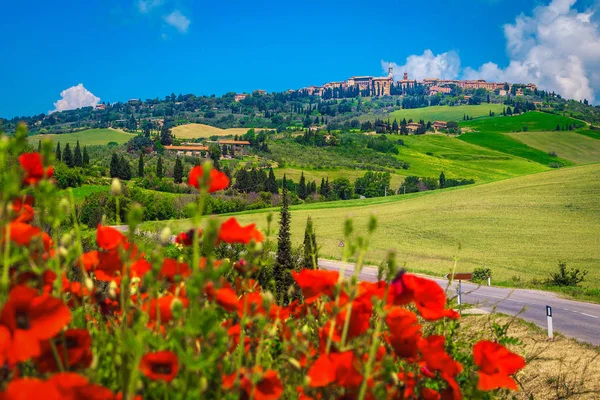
(497, 297)
(587, 315)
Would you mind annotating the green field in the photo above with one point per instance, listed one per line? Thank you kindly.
(430, 154)
(517, 227)
(88, 137)
(569, 145)
(446, 113)
(316, 175)
(532, 121)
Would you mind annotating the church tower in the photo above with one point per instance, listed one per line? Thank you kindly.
(391, 72)
(406, 76)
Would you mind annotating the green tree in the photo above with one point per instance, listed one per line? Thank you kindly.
(302, 187)
(373, 184)
(166, 138)
(322, 190)
(342, 188)
(442, 180)
(39, 150)
(284, 261)
(159, 168)
(141, 165)
(178, 171)
(272, 183)
(77, 158)
(115, 170)
(215, 155)
(58, 152)
(310, 255)
(67, 156)
(86, 157)
(124, 169)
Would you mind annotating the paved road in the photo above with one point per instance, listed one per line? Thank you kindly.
(572, 318)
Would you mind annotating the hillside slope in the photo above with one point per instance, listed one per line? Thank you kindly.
(88, 137)
(518, 227)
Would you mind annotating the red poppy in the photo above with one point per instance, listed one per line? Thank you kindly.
(232, 232)
(108, 238)
(30, 388)
(163, 306)
(23, 209)
(31, 163)
(172, 268)
(187, 238)
(90, 260)
(31, 318)
(428, 296)
(335, 367)
(268, 385)
(496, 363)
(160, 365)
(76, 387)
(227, 298)
(404, 332)
(360, 317)
(216, 181)
(22, 233)
(250, 304)
(435, 358)
(75, 349)
(316, 282)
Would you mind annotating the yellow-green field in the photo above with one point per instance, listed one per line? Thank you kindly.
(316, 175)
(517, 227)
(202, 131)
(88, 137)
(446, 113)
(569, 145)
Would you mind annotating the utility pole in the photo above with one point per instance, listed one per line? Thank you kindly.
(385, 191)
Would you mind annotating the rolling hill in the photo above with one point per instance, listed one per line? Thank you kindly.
(446, 113)
(88, 137)
(577, 148)
(517, 227)
(202, 131)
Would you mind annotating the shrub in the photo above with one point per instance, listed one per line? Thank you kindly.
(552, 154)
(67, 177)
(481, 274)
(567, 277)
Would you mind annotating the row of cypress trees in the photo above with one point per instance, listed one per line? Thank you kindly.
(73, 158)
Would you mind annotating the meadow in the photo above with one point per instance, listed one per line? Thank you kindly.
(88, 137)
(518, 227)
(577, 148)
(316, 175)
(446, 113)
(530, 121)
(202, 131)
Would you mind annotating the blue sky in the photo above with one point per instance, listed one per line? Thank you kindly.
(149, 48)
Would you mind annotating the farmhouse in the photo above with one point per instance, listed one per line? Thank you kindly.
(240, 97)
(233, 146)
(413, 126)
(439, 89)
(437, 125)
(189, 150)
(100, 107)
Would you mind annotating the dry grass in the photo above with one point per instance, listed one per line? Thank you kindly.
(202, 131)
(558, 369)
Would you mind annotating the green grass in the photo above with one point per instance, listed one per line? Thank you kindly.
(594, 134)
(506, 144)
(316, 175)
(446, 113)
(430, 154)
(88, 137)
(517, 227)
(533, 121)
(569, 145)
(80, 193)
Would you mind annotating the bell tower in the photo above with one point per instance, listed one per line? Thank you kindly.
(406, 76)
(391, 72)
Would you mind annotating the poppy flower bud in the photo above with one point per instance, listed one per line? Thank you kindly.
(63, 251)
(66, 239)
(305, 330)
(203, 384)
(115, 187)
(176, 305)
(112, 289)
(89, 284)
(64, 206)
(165, 235)
(295, 363)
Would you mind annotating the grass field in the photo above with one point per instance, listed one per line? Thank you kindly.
(88, 137)
(428, 155)
(517, 227)
(569, 145)
(80, 193)
(446, 113)
(533, 121)
(316, 175)
(202, 131)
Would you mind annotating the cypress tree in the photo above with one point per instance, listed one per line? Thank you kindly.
(114, 166)
(77, 159)
(272, 183)
(159, 168)
(178, 171)
(284, 261)
(58, 152)
(166, 138)
(141, 166)
(302, 187)
(310, 256)
(39, 146)
(86, 157)
(322, 188)
(442, 180)
(124, 169)
(68, 156)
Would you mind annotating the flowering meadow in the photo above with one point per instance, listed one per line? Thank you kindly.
(120, 323)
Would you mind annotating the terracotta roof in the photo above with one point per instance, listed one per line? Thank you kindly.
(187, 148)
(240, 142)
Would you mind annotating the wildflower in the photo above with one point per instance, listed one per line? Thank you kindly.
(217, 180)
(335, 367)
(74, 386)
(108, 238)
(31, 163)
(227, 298)
(23, 209)
(163, 306)
(232, 232)
(171, 268)
(22, 233)
(404, 332)
(31, 319)
(160, 365)
(187, 238)
(77, 345)
(315, 283)
(268, 386)
(435, 358)
(30, 388)
(496, 363)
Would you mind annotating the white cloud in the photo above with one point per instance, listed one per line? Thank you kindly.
(178, 21)
(557, 48)
(427, 65)
(75, 97)
(145, 6)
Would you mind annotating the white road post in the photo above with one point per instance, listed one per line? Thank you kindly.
(459, 293)
(489, 281)
(549, 315)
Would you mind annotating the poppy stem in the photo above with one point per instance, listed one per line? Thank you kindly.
(6, 260)
(56, 355)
